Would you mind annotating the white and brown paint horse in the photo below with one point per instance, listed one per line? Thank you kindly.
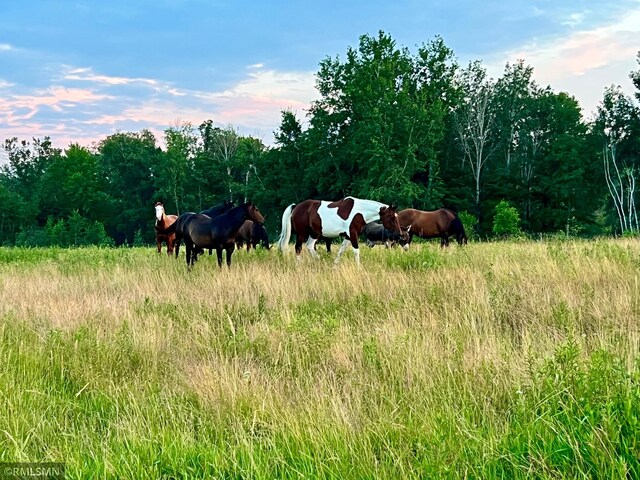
(344, 218)
(164, 221)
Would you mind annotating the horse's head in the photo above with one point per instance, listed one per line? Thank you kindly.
(405, 237)
(159, 211)
(389, 219)
(254, 214)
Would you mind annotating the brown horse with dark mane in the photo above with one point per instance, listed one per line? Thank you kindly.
(441, 223)
(252, 234)
(164, 221)
(345, 218)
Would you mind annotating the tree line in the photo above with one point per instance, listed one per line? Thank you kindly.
(413, 128)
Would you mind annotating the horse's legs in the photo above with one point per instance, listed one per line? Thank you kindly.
(219, 255)
(230, 249)
(444, 241)
(406, 245)
(311, 242)
(249, 246)
(299, 240)
(187, 247)
(177, 243)
(159, 245)
(345, 243)
(170, 241)
(354, 244)
(328, 241)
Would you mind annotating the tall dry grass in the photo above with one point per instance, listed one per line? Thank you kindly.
(493, 360)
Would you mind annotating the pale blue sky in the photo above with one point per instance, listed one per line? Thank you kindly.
(78, 70)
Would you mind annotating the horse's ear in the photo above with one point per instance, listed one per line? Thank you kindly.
(393, 207)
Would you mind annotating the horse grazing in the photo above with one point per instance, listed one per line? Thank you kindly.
(201, 231)
(441, 223)
(344, 218)
(164, 221)
(376, 234)
(251, 234)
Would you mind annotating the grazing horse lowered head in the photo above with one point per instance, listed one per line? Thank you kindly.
(376, 234)
(343, 218)
(251, 234)
(441, 223)
(164, 221)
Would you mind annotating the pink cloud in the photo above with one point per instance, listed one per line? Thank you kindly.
(583, 62)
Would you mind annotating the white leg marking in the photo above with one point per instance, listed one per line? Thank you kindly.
(356, 252)
(310, 246)
(343, 247)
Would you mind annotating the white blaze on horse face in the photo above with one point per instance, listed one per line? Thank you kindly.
(159, 212)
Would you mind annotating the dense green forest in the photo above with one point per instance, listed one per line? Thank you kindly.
(413, 128)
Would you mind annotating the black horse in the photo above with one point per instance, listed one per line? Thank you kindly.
(201, 231)
(213, 212)
(216, 210)
(376, 234)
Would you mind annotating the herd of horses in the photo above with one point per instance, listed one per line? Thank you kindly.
(226, 226)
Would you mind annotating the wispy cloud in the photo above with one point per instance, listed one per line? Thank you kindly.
(16, 108)
(67, 111)
(87, 75)
(584, 61)
(5, 47)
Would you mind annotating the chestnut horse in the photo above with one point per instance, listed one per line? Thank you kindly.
(344, 218)
(164, 221)
(441, 223)
(200, 231)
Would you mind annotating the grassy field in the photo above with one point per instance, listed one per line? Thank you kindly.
(497, 360)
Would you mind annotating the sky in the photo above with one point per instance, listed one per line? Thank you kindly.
(80, 70)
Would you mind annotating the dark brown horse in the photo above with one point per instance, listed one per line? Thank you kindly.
(200, 231)
(344, 218)
(441, 223)
(251, 234)
(213, 212)
(164, 221)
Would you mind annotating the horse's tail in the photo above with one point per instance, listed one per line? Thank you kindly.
(458, 228)
(285, 235)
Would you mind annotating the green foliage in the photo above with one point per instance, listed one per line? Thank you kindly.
(390, 124)
(579, 415)
(506, 221)
(76, 231)
(138, 240)
(470, 223)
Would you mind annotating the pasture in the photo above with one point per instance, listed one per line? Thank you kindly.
(496, 360)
